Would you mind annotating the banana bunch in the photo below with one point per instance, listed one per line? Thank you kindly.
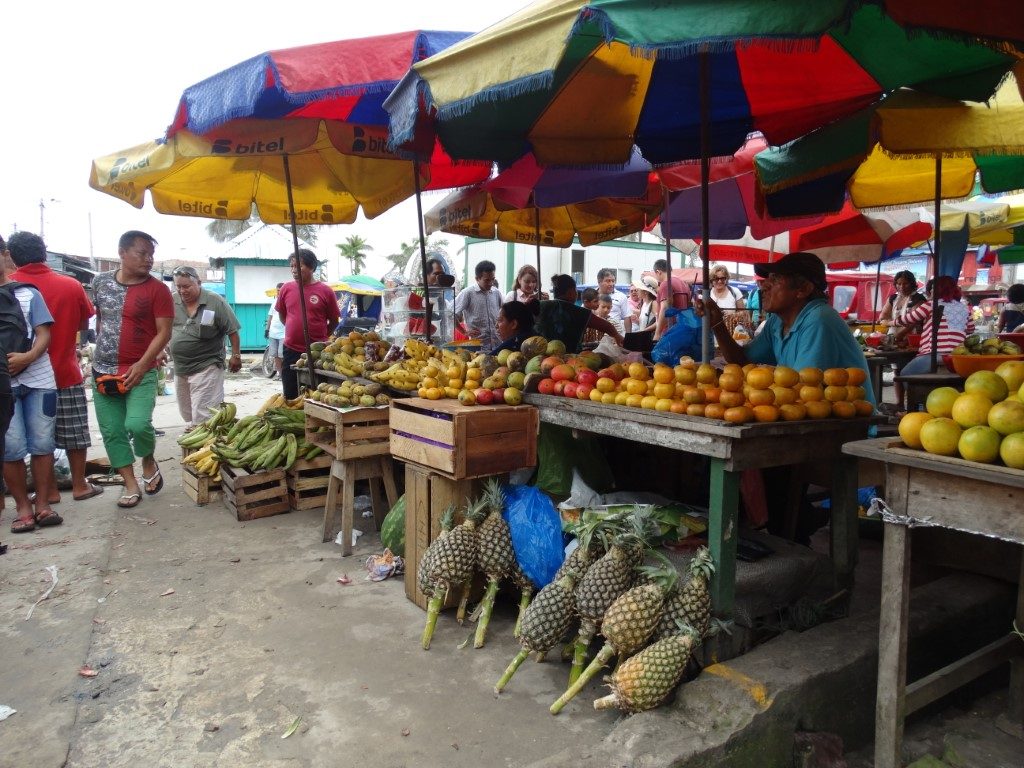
(279, 401)
(204, 461)
(346, 365)
(398, 376)
(219, 422)
(286, 420)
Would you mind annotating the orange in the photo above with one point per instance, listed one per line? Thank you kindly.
(844, 409)
(685, 375)
(856, 376)
(648, 402)
(663, 374)
(693, 395)
(766, 413)
(940, 401)
(818, 409)
(714, 411)
(451, 392)
(474, 374)
(633, 401)
(1011, 450)
(650, 384)
(761, 377)
(940, 436)
(786, 377)
(663, 404)
(622, 397)
(434, 393)
(855, 392)
(810, 393)
(1012, 372)
(429, 382)
(712, 394)
(604, 384)
(597, 395)
(695, 409)
(734, 368)
(706, 374)
(639, 371)
(971, 409)
(1007, 417)
(979, 444)
(864, 407)
(608, 398)
(910, 427)
(738, 415)
(680, 389)
(748, 368)
(422, 392)
(664, 391)
(761, 397)
(835, 393)
(810, 376)
(678, 407)
(836, 377)
(731, 382)
(793, 412)
(455, 383)
(784, 395)
(635, 386)
(731, 399)
(987, 383)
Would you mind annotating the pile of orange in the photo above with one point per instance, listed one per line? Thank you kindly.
(739, 394)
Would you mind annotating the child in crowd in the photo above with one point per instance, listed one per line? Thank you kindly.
(589, 300)
(604, 311)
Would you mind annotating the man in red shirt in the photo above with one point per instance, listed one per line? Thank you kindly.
(135, 312)
(322, 315)
(71, 309)
(680, 296)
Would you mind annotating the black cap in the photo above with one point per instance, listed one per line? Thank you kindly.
(806, 265)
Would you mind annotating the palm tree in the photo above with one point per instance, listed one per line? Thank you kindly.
(352, 250)
(222, 230)
(405, 252)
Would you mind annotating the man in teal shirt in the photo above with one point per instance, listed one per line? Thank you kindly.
(802, 329)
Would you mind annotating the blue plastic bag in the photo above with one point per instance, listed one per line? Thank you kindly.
(681, 339)
(536, 532)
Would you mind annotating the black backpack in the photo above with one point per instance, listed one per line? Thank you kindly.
(14, 331)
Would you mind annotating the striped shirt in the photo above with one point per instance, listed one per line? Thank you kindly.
(954, 327)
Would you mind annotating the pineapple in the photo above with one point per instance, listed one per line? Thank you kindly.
(627, 625)
(690, 604)
(452, 558)
(644, 681)
(544, 623)
(423, 570)
(526, 590)
(495, 555)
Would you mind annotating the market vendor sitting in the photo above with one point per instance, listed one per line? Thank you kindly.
(802, 330)
(560, 318)
(515, 325)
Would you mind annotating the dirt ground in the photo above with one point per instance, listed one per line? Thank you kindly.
(210, 638)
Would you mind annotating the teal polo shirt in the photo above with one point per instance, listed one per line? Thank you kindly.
(819, 338)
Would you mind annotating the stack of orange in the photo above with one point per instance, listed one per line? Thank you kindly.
(739, 394)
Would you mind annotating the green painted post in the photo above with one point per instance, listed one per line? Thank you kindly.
(510, 266)
(723, 515)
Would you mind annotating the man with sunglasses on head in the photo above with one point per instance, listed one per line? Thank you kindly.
(202, 320)
(134, 316)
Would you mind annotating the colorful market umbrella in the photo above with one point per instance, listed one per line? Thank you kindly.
(997, 20)
(580, 81)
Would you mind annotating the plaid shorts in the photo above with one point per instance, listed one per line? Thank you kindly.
(72, 425)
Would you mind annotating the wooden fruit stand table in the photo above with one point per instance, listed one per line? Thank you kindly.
(733, 448)
(879, 360)
(922, 489)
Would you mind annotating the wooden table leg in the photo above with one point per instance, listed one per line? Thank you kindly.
(387, 471)
(331, 521)
(844, 539)
(723, 512)
(892, 627)
(348, 499)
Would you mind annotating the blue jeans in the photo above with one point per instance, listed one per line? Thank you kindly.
(921, 364)
(32, 426)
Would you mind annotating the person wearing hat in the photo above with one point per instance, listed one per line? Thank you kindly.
(646, 289)
(802, 329)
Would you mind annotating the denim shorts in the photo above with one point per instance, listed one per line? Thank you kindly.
(31, 431)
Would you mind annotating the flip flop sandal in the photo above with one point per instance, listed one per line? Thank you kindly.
(147, 480)
(49, 519)
(23, 526)
(129, 500)
(94, 490)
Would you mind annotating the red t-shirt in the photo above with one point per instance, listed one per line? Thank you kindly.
(127, 320)
(70, 307)
(680, 293)
(322, 313)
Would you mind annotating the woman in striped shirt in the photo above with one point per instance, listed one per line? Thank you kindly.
(955, 323)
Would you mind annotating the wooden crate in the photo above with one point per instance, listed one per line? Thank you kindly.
(202, 489)
(254, 495)
(355, 432)
(427, 495)
(463, 442)
(307, 482)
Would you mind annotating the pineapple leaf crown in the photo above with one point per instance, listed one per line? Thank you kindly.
(494, 495)
(688, 631)
(477, 511)
(448, 518)
(664, 574)
(702, 565)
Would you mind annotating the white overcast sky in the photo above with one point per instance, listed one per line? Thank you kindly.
(81, 80)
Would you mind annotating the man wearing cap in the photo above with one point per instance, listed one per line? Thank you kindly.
(802, 329)
(201, 321)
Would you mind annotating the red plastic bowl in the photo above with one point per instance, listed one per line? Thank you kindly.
(914, 339)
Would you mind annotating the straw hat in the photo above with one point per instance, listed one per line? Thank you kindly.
(646, 283)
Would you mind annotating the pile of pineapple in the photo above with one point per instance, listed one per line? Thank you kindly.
(650, 619)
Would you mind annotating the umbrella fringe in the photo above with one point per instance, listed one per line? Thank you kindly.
(1011, 150)
(503, 92)
(817, 173)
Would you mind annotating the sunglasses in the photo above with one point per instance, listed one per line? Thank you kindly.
(185, 272)
(719, 279)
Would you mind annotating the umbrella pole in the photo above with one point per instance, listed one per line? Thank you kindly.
(935, 262)
(707, 344)
(298, 263)
(878, 278)
(536, 228)
(428, 313)
(669, 293)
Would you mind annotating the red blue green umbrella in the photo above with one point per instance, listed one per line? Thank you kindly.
(582, 81)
